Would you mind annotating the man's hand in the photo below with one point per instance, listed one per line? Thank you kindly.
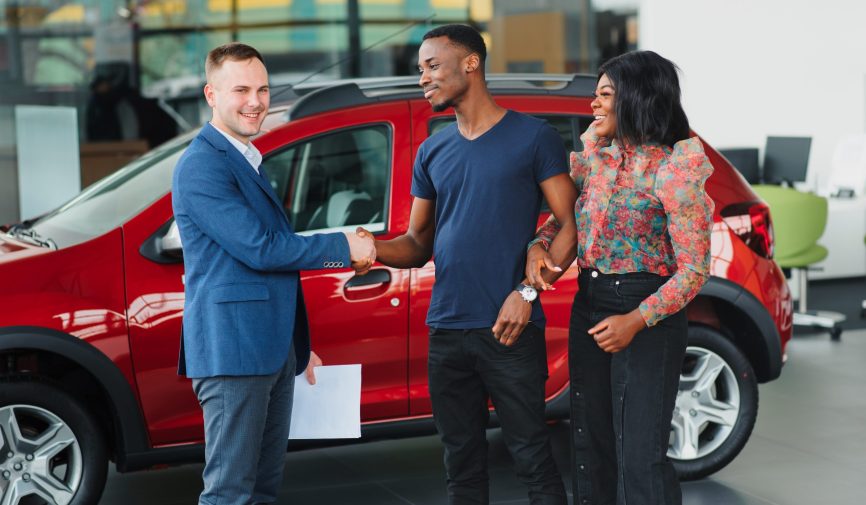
(615, 333)
(315, 361)
(364, 233)
(513, 318)
(362, 249)
(537, 258)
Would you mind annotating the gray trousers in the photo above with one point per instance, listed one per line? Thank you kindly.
(246, 423)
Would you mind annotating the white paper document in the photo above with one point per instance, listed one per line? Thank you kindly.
(329, 409)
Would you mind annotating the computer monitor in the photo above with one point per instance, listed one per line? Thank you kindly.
(745, 160)
(786, 159)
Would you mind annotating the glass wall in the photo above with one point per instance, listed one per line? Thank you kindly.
(131, 68)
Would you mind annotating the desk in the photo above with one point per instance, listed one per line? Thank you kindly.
(843, 238)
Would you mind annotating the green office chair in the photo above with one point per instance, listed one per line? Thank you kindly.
(798, 221)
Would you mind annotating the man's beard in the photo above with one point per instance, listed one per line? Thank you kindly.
(441, 107)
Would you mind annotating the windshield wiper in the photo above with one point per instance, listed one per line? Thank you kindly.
(31, 237)
(23, 225)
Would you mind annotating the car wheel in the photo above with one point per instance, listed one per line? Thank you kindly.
(716, 407)
(52, 451)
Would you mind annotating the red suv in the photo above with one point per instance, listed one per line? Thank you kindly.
(92, 295)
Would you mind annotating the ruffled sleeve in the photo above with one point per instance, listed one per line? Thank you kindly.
(591, 141)
(581, 163)
(679, 186)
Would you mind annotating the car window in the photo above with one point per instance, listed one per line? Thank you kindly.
(569, 127)
(334, 181)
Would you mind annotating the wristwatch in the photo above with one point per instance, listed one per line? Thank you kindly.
(528, 293)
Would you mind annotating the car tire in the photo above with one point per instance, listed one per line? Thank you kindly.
(53, 450)
(717, 404)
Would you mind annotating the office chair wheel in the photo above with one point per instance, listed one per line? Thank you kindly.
(836, 334)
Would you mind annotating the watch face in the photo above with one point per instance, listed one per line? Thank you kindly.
(529, 293)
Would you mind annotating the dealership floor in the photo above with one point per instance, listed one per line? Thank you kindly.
(808, 447)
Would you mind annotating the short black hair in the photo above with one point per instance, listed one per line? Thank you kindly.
(647, 100)
(462, 35)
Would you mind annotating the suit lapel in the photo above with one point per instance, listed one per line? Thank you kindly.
(240, 164)
(243, 166)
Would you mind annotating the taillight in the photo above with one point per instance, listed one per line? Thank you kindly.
(751, 222)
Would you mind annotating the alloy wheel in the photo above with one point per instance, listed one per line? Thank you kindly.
(707, 405)
(41, 457)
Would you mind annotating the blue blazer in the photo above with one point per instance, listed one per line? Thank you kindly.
(244, 304)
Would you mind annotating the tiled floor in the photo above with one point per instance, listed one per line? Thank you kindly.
(808, 447)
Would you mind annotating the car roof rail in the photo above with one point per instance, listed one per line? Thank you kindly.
(328, 98)
(323, 97)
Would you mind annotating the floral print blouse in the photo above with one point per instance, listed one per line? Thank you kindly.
(643, 209)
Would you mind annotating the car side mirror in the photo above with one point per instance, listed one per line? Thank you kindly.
(164, 245)
(170, 244)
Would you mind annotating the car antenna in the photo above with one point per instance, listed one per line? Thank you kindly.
(347, 58)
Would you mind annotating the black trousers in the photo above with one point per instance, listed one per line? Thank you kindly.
(468, 367)
(622, 403)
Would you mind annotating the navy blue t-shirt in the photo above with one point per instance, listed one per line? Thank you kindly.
(487, 203)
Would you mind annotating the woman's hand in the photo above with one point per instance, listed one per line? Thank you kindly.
(615, 333)
(537, 259)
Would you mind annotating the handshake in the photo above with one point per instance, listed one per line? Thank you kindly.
(362, 249)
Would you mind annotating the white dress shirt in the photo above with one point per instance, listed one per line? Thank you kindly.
(248, 150)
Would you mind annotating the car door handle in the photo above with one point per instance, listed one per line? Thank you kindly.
(373, 279)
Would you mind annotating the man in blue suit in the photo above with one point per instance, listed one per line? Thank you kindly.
(244, 329)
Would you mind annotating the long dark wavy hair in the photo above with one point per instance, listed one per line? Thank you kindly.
(646, 99)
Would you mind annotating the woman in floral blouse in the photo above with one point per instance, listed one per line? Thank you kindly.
(644, 222)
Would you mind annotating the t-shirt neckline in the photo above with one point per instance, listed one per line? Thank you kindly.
(489, 130)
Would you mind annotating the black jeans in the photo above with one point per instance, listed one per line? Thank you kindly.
(622, 403)
(466, 367)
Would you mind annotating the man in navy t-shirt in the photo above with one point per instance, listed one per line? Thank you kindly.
(478, 186)
(487, 199)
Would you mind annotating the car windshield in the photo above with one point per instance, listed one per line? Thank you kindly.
(112, 201)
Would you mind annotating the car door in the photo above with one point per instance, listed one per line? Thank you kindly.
(334, 174)
(155, 297)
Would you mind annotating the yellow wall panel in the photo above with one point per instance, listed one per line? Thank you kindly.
(449, 4)
(226, 5)
(71, 13)
(165, 8)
